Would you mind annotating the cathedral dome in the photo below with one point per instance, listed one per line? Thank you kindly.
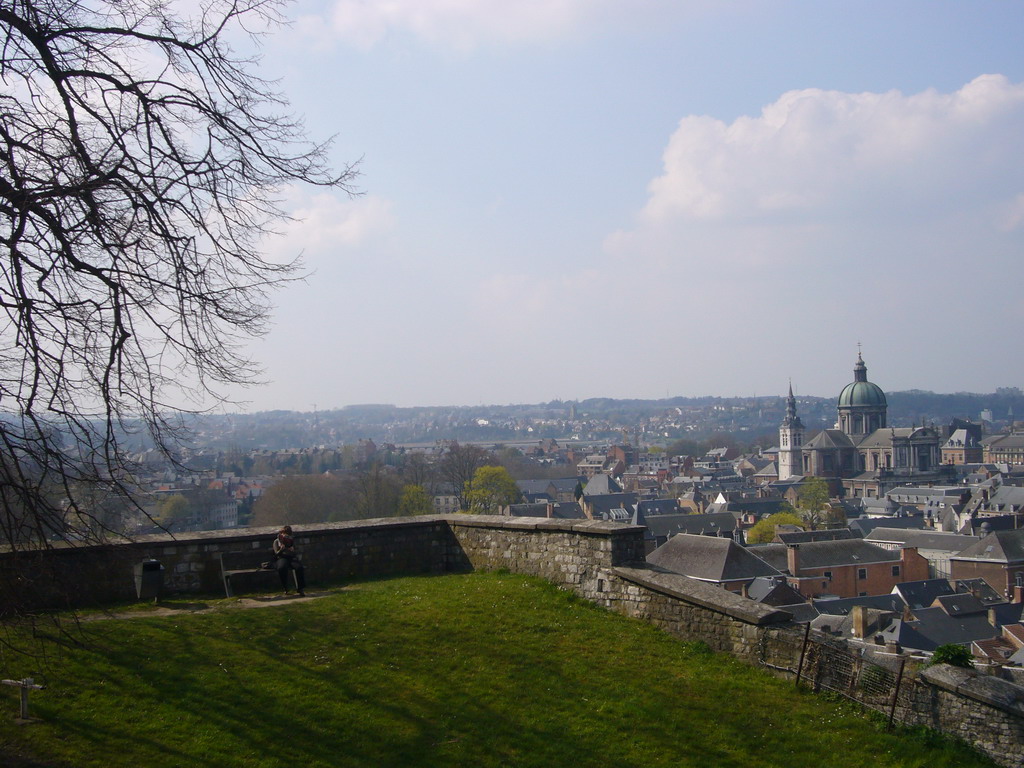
(861, 393)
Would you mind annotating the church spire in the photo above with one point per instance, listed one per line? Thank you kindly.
(791, 438)
(791, 420)
(860, 370)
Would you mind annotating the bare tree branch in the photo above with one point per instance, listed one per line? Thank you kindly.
(140, 164)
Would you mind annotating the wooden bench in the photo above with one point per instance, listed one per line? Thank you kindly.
(236, 563)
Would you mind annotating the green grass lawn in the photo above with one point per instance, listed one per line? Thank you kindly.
(462, 670)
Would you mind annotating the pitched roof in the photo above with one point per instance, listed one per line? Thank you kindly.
(843, 606)
(603, 503)
(600, 485)
(933, 627)
(664, 526)
(533, 486)
(921, 594)
(773, 590)
(655, 507)
(998, 547)
(922, 539)
(709, 558)
(822, 554)
(563, 484)
(867, 524)
(825, 534)
(980, 588)
(959, 605)
(829, 438)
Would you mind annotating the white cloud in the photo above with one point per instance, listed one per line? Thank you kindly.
(459, 24)
(1013, 216)
(817, 153)
(833, 218)
(326, 222)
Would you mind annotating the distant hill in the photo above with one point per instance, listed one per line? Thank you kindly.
(595, 419)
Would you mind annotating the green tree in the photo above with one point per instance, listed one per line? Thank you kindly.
(812, 502)
(763, 531)
(490, 489)
(414, 501)
(953, 654)
(171, 508)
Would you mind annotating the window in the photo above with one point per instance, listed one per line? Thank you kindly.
(827, 574)
(862, 573)
(895, 570)
(862, 594)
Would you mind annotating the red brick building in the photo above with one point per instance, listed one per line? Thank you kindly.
(845, 568)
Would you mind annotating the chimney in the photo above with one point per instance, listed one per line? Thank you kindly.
(860, 621)
(551, 509)
(992, 618)
(793, 559)
(745, 589)
(905, 554)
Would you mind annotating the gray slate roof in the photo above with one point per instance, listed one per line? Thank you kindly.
(826, 534)
(822, 554)
(709, 558)
(653, 507)
(843, 606)
(600, 485)
(923, 539)
(933, 627)
(865, 525)
(714, 524)
(773, 590)
(997, 547)
(829, 438)
(921, 594)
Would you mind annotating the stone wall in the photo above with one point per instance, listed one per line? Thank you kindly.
(602, 562)
(84, 576)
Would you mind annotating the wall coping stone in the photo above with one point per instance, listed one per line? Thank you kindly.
(601, 527)
(705, 595)
(246, 534)
(993, 691)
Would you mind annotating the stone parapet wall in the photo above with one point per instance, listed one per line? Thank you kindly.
(602, 562)
(984, 711)
(84, 576)
(574, 555)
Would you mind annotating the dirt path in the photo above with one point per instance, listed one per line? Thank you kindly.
(175, 608)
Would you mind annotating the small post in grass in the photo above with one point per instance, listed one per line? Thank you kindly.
(26, 685)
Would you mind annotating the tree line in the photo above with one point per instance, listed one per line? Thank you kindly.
(473, 475)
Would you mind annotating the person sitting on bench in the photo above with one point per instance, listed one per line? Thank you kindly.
(287, 559)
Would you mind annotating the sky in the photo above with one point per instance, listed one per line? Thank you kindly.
(564, 199)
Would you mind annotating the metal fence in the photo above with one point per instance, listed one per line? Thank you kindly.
(873, 681)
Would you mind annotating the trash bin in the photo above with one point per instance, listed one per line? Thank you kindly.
(149, 580)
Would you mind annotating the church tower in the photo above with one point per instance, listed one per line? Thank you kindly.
(791, 439)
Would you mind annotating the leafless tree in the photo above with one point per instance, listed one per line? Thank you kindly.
(142, 159)
(459, 464)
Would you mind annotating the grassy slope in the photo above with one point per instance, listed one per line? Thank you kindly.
(481, 670)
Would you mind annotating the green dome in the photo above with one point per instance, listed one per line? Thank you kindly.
(861, 393)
